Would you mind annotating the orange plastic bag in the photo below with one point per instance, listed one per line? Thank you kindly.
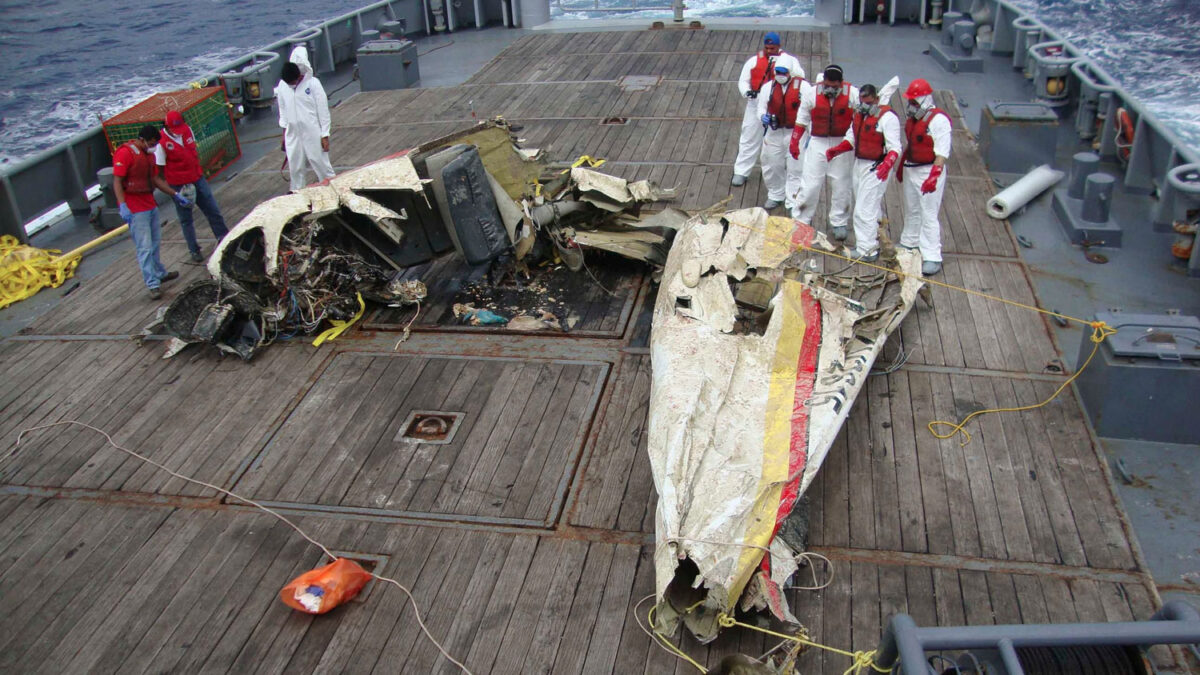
(320, 590)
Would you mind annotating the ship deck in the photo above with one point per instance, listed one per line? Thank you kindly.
(528, 539)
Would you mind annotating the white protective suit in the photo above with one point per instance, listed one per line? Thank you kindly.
(816, 167)
(868, 189)
(304, 116)
(921, 226)
(781, 173)
(751, 141)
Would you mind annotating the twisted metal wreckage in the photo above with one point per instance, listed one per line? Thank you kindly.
(316, 257)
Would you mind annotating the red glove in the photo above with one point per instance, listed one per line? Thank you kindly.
(885, 166)
(837, 150)
(930, 183)
(797, 134)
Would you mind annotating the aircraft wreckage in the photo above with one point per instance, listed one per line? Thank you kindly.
(759, 351)
(301, 262)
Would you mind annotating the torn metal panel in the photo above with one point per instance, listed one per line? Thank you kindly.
(746, 402)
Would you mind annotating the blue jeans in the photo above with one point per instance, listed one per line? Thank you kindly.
(147, 237)
(207, 204)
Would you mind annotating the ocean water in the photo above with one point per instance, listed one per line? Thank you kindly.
(69, 62)
(1151, 47)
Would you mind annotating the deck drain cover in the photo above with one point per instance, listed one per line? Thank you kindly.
(639, 82)
(428, 426)
(614, 120)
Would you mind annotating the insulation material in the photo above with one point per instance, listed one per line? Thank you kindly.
(746, 404)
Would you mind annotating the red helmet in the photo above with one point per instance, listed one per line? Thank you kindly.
(917, 88)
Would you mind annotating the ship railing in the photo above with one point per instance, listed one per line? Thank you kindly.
(62, 179)
(1155, 159)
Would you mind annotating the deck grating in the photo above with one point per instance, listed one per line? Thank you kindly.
(527, 540)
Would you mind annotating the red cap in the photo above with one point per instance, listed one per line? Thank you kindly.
(917, 88)
(174, 118)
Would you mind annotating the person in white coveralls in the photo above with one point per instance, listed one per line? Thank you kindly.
(304, 116)
(825, 112)
(874, 136)
(756, 72)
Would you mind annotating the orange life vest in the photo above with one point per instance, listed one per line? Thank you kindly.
(763, 70)
(868, 139)
(832, 118)
(784, 102)
(920, 143)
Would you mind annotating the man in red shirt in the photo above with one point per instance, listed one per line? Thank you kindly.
(134, 181)
(180, 161)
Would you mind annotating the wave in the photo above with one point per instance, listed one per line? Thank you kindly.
(1148, 46)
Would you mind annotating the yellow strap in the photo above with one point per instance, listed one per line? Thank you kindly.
(339, 326)
(592, 162)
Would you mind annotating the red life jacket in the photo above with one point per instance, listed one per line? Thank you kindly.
(868, 139)
(763, 70)
(138, 174)
(183, 161)
(784, 102)
(832, 119)
(920, 143)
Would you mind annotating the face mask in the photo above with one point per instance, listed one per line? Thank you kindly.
(868, 109)
(781, 79)
(913, 109)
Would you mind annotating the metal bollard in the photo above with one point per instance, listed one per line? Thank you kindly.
(1097, 197)
(948, 21)
(963, 35)
(1083, 164)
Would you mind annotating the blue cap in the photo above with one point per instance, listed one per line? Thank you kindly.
(771, 38)
(782, 69)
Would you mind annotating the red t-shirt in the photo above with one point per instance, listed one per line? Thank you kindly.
(123, 158)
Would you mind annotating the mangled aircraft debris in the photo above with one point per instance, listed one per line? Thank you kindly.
(759, 350)
(300, 261)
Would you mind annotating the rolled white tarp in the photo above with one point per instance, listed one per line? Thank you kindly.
(1023, 191)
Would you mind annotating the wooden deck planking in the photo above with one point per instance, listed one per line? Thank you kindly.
(115, 301)
(214, 405)
(507, 468)
(971, 331)
(972, 491)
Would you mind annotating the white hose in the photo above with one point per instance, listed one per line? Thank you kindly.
(1023, 191)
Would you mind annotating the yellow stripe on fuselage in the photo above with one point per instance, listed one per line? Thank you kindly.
(777, 431)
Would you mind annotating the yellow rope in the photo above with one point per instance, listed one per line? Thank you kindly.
(671, 646)
(25, 270)
(1100, 329)
(861, 660)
